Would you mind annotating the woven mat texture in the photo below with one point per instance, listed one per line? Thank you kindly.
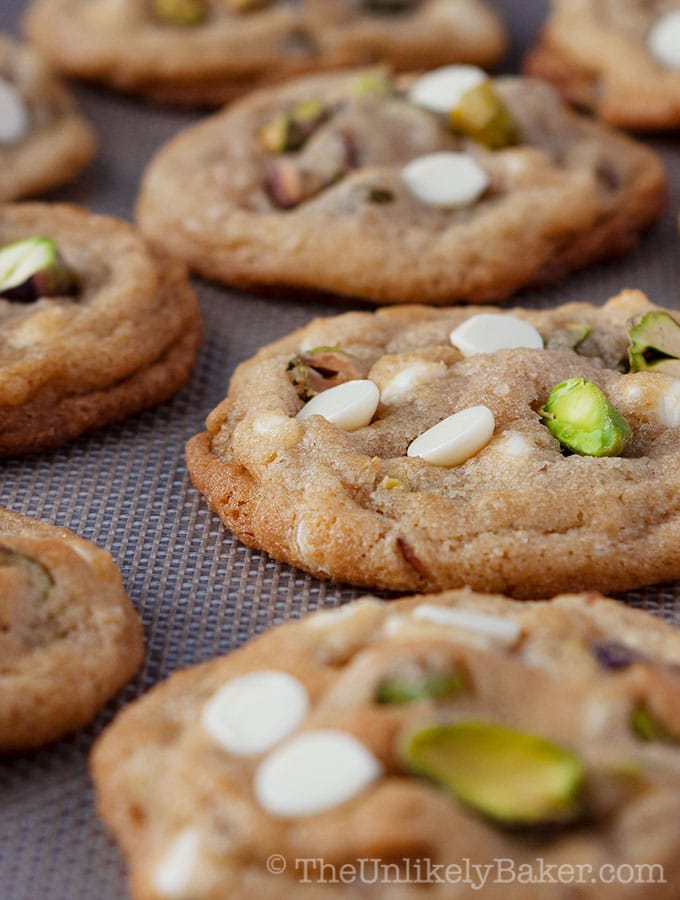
(200, 591)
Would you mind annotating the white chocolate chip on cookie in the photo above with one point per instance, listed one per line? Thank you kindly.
(349, 406)
(490, 332)
(448, 180)
(503, 632)
(411, 376)
(14, 118)
(441, 89)
(664, 40)
(455, 439)
(179, 873)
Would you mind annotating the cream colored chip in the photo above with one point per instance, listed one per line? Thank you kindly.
(515, 444)
(664, 40)
(669, 405)
(490, 332)
(254, 712)
(441, 89)
(314, 772)
(179, 874)
(504, 632)
(446, 180)
(413, 375)
(349, 406)
(455, 439)
(15, 121)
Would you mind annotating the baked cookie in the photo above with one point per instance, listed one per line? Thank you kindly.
(93, 325)
(208, 51)
(619, 58)
(416, 448)
(43, 139)
(69, 637)
(442, 188)
(454, 730)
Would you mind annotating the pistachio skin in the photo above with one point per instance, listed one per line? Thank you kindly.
(432, 687)
(33, 268)
(655, 345)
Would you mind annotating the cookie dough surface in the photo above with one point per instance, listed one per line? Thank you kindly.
(599, 54)
(69, 636)
(50, 142)
(122, 42)
(519, 515)
(125, 341)
(570, 192)
(189, 803)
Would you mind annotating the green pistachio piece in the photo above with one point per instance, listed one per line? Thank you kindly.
(514, 778)
(568, 338)
(648, 726)
(39, 578)
(583, 419)
(288, 132)
(323, 368)
(374, 84)
(482, 116)
(427, 687)
(33, 268)
(655, 344)
(180, 12)
(390, 483)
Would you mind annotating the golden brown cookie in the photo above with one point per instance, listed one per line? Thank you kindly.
(365, 186)
(619, 58)
(208, 51)
(69, 636)
(525, 491)
(120, 337)
(43, 139)
(456, 730)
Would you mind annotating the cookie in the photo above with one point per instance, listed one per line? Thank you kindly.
(43, 139)
(421, 448)
(69, 636)
(208, 51)
(451, 730)
(93, 325)
(360, 185)
(618, 58)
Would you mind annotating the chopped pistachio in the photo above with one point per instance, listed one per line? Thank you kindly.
(322, 368)
(376, 84)
(584, 420)
(33, 268)
(655, 344)
(180, 12)
(484, 117)
(389, 483)
(514, 778)
(648, 726)
(39, 578)
(432, 687)
(568, 338)
(284, 184)
(288, 132)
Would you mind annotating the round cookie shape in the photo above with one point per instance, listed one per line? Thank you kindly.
(618, 58)
(509, 189)
(209, 51)
(43, 139)
(69, 636)
(516, 511)
(121, 338)
(439, 728)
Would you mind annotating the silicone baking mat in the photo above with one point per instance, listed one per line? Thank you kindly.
(199, 590)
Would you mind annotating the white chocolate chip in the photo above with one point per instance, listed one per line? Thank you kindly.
(441, 89)
(664, 40)
(490, 332)
(445, 179)
(178, 874)
(14, 118)
(668, 409)
(316, 771)
(514, 444)
(254, 712)
(349, 406)
(456, 439)
(414, 375)
(504, 632)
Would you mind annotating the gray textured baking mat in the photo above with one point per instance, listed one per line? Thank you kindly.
(199, 591)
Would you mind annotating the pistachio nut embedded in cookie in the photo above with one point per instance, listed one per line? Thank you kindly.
(43, 139)
(432, 728)
(94, 326)
(619, 58)
(420, 447)
(433, 188)
(69, 637)
(209, 51)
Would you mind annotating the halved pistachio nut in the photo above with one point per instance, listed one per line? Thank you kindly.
(484, 117)
(584, 420)
(288, 132)
(426, 687)
(655, 344)
(33, 268)
(180, 12)
(374, 84)
(568, 338)
(322, 368)
(648, 726)
(38, 579)
(512, 777)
